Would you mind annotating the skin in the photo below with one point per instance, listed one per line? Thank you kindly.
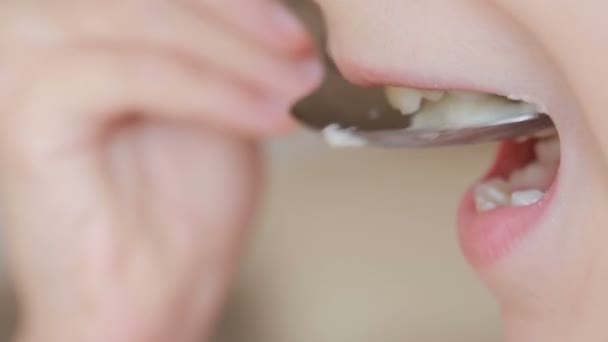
(143, 182)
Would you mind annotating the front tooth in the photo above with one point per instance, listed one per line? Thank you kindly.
(534, 176)
(406, 100)
(491, 195)
(469, 96)
(547, 151)
(433, 95)
(526, 197)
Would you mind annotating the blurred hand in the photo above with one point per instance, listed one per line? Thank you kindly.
(128, 153)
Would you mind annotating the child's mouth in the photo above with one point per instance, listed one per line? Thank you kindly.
(523, 173)
(506, 203)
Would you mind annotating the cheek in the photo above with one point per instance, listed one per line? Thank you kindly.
(574, 35)
(565, 263)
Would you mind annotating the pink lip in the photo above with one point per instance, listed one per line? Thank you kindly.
(490, 236)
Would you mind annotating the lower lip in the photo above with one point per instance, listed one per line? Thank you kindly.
(489, 236)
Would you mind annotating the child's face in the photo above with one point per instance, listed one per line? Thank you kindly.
(547, 263)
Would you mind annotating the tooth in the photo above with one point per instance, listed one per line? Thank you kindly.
(533, 176)
(469, 96)
(406, 100)
(526, 197)
(546, 133)
(548, 151)
(483, 205)
(491, 195)
(433, 95)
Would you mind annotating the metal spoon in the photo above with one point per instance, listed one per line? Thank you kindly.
(367, 114)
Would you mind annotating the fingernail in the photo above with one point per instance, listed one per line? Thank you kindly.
(284, 21)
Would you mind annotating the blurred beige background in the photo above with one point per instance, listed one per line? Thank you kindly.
(360, 245)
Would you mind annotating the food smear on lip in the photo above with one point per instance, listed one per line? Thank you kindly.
(336, 136)
(454, 109)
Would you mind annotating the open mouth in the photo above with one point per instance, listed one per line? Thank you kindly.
(508, 201)
(524, 172)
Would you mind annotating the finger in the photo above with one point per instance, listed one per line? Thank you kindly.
(268, 21)
(90, 89)
(240, 57)
(175, 29)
